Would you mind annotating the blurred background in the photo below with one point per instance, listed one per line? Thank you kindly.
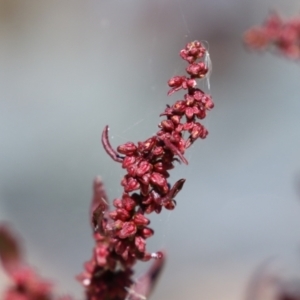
(68, 68)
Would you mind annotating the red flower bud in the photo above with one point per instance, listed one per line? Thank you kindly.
(175, 119)
(198, 94)
(146, 232)
(201, 114)
(113, 214)
(189, 112)
(145, 179)
(144, 189)
(147, 145)
(128, 149)
(118, 203)
(140, 220)
(176, 81)
(128, 229)
(167, 125)
(128, 203)
(189, 100)
(157, 179)
(140, 243)
(170, 205)
(128, 160)
(143, 167)
(131, 170)
(123, 214)
(130, 184)
(179, 107)
(158, 151)
(188, 126)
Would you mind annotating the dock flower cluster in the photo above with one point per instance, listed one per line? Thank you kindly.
(120, 233)
(277, 35)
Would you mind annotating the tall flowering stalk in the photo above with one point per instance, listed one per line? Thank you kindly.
(277, 35)
(120, 234)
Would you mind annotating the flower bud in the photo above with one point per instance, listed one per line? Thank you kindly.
(179, 107)
(147, 145)
(123, 214)
(140, 220)
(146, 232)
(128, 149)
(189, 112)
(157, 179)
(127, 161)
(167, 125)
(143, 167)
(128, 203)
(118, 203)
(128, 229)
(130, 184)
(140, 243)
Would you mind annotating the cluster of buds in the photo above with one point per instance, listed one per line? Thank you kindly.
(276, 34)
(120, 234)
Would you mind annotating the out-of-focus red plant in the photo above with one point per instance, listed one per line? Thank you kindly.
(282, 37)
(120, 234)
(276, 35)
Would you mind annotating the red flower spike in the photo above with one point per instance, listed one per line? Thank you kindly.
(123, 239)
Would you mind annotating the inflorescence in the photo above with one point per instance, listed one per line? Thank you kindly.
(121, 234)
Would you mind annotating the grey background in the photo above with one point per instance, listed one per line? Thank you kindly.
(68, 68)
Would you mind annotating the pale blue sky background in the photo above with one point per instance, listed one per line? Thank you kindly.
(68, 68)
